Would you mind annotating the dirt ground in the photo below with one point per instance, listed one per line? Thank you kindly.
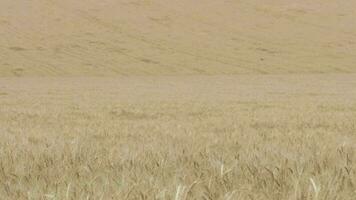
(140, 37)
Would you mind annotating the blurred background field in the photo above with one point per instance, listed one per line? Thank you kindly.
(144, 37)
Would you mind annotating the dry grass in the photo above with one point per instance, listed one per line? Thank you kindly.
(256, 137)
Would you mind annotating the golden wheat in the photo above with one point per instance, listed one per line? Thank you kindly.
(218, 137)
(203, 99)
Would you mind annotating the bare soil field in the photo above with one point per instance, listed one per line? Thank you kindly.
(179, 137)
(140, 37)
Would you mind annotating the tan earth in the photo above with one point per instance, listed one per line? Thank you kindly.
(200, 99)
(111, 37)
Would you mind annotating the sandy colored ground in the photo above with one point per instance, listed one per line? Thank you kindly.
(111, 37)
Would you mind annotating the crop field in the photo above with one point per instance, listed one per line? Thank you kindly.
(203, 99)
(217, 137)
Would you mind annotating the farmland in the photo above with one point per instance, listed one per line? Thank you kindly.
(141, 99)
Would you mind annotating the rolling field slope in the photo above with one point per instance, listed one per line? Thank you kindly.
(139, 37)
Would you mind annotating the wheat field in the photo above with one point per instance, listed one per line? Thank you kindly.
(203, 99)
(218, 137)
